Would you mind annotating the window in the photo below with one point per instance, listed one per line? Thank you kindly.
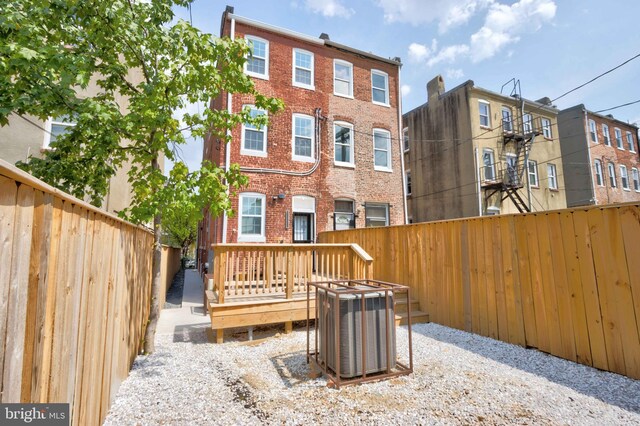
(552, 176)
(598, 166)
(488, 165)
(343, 144)
(605, 134)
(343, 216)
(592, 131)
(303, 138)
(408, 181)
(532, 168)
(381, 150)
(254, 139)
(342, 78)
(405, 138)
(624, 177)
(485, 120)
(612, 175)
(546, 128)
(56, 127)
(636, 179)
(379, 87)
(507, 124)
(257, 64)
(527, 124)
(251, 220)
(303, 69)
(618, 135)
(632, 146)
(511, 177)
(376, 215)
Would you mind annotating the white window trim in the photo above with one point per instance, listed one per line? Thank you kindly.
(386, 89)
(527, 122)
(492, 165)
(510, 114)
(619, 143)
(602, 178)
(252, 238)
(546, 128)
(389, 167)
(488, 104)
(293, 72)
(606, 135)
(264, 76)
(352, 163)
(350, 65)
(634, 176)
(405, 145)
(535, 173)
(303, 158)
(632, 145)
(407, 176)
(253, 152)
(48, 126)
(555, 177)
(613, 181)
(595, 130)
(624, 174)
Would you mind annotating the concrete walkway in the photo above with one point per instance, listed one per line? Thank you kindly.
(191, 318)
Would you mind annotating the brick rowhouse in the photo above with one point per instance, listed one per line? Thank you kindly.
(326, 88)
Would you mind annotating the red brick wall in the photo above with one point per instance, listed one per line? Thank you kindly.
(327, 182)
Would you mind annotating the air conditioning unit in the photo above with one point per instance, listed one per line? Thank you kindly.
(378, 315)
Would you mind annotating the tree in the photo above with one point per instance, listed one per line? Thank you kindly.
(50, 50)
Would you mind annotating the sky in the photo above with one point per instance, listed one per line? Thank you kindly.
(550, 46)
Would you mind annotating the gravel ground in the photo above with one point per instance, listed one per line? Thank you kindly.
(459, 378)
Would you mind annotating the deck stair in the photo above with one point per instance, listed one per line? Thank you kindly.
(417, 316)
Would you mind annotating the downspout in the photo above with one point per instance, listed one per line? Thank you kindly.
(526, 157)
(594, 198)
(401, 148)
(478, 177)
(227, 151)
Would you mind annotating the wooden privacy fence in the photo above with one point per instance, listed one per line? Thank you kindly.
(75, 285)
(262, 269)
(566, 282)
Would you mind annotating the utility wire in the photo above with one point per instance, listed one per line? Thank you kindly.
(618, 106)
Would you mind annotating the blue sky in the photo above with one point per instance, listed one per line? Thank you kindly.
(551, 46)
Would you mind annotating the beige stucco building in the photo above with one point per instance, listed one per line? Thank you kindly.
(472, 152)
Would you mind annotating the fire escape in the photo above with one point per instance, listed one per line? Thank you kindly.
(507, 174)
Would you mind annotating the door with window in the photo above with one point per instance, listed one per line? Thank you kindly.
(303, 228)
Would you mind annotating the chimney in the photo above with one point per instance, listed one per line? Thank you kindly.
(544, 101)
(229, 9)
(324, 36)
(435, 88)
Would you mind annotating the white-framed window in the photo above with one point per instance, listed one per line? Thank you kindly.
(527, 123)
(593, 133)
(376, 214)
(546, 128)
(630, 143)
(303, 69)
(599, 178)
(485, 113)
(624, 177)
(405, 139)
(380, 87)
(343, 214)
(343, 144)
(303, 138)
(342, 78)
(605, 135)
(489, 165)
(636, 179)
(251, 220)
(407, 181)
(254, 139)
(612, 175)
(532, 170)
(257, 64)
(511, 176)
(552, 176)
(55, 127)
(507, 121)
(618, 134)
(381, 150)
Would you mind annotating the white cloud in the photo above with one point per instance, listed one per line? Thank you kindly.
(330, 8)
(449, 54)
(447, 13)
(418, 52)
(405, 89)
(454, 74)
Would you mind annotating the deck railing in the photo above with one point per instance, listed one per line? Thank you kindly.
(261, 269)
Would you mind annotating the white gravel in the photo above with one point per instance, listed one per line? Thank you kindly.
(459, 378)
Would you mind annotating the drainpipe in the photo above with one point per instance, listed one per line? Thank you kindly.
(227, 151)
(401, 139)
(477, 165)
(594, 197)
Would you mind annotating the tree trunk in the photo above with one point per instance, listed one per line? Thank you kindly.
(154, 311)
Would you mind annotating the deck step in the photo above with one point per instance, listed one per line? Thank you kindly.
(417, 317)
(401, 305)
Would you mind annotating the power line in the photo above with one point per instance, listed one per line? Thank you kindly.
(618, 106)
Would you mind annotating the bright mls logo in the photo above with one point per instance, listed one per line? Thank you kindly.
(34, 414)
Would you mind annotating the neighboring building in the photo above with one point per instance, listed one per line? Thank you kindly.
(600, 156)
(330, 160)
(472, 152)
